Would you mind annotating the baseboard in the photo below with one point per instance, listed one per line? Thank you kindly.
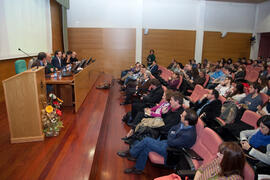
(27, 139)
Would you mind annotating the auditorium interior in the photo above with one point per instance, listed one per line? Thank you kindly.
(135, 89)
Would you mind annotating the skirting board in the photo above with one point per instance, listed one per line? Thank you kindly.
(27, 139)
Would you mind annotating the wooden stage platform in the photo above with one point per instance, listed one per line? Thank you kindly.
(85, 149)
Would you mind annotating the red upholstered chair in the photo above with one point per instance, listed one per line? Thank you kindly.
(251, 118)
(258, 69)
(180, 82)
(197, 93)
(157, 159)
(206, 146)
(169, 177)
(265, 97)
(252, 76)
(249, 68)
(248, 172)
(207, 77)
(222, 99)
(233, 75)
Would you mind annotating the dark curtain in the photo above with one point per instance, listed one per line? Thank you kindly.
(264, 48)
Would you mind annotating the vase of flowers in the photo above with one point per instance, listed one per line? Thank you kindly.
(51, 116)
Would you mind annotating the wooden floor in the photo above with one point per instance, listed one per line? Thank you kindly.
(85, 149)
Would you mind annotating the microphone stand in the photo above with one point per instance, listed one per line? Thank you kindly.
(19, 49)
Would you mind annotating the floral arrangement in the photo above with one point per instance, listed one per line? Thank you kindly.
(51, 116)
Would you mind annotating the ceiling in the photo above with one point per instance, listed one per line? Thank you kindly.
(241, 1)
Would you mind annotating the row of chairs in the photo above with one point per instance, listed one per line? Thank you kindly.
(206, 147)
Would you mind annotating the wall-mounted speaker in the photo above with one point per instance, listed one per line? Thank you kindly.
(145, 31)
(223, 34)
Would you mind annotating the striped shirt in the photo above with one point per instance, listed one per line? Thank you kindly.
(210, 171)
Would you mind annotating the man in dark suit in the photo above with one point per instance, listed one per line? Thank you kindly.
(209, 107)
(149, 100)
(41, 59)
(57, 60)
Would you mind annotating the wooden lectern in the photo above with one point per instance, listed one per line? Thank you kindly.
(25, 95)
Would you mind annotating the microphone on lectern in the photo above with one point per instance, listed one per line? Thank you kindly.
(34, 59)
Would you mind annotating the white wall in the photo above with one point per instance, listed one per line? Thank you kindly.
(229, 17)
(103, 13)
(170, 14)
(263, 23)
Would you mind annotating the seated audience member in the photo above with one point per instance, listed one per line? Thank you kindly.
(209, 107)
(171, 118)
(172, 65)
(229, 61)
(218, 77)
(49, 68)
(236, 93)
(266, 88)
(153, 68)
(264, 72)
(253, 99)
(173, 81)
(224, 86)
(41, 60)
(138, 87)
(132, 69)
(155, 112)
(240, 73)
(199, 79)
(189, 84)
(256, 143)
(193, 64)
(265, 110)
(144, 83)
(151, 57)
(132, 75)
(229, 164)
(205, 63)
(73, 57)
(149, 100)
(67, 59)
(64, 55)
(57, 60)
(182, 135)
(177, 68)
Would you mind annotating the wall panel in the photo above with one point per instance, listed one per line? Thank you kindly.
(168, 44)
(113, 48)
(234, 45)
(56, 20)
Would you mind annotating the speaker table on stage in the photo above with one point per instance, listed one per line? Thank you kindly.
(25, 95)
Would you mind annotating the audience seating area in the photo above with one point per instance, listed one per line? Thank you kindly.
(208, 141)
